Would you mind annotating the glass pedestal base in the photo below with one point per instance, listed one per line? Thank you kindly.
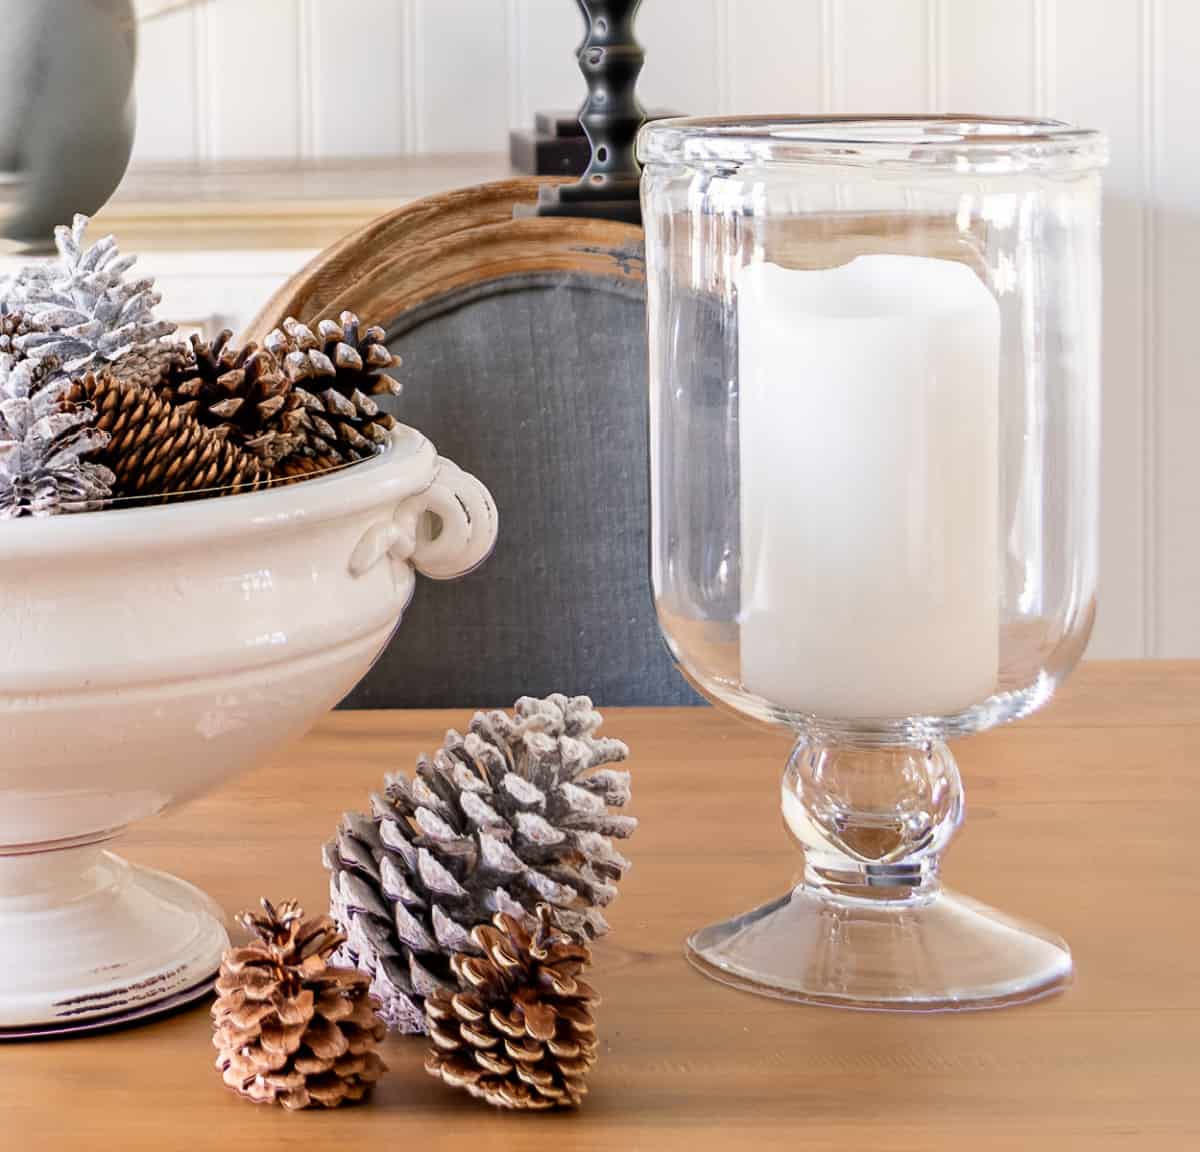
(937, 951)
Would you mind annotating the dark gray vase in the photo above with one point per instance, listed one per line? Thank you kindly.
(67, 110)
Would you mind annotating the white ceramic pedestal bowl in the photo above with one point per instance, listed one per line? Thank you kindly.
(148, 654)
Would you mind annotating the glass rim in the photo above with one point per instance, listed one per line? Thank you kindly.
(960, 143)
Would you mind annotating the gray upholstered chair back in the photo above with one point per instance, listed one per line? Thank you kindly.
(534, 379)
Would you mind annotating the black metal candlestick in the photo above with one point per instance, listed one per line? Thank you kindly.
(610, 59)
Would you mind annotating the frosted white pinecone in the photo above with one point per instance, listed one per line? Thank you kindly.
(43, 445)
(514, 813)
(84, 311)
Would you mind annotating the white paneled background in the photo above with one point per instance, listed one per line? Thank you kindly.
(311, 78)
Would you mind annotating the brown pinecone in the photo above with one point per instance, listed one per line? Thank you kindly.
(150, 364)
(157, 451)
(289, 1027)
(520, 1034)
(239, 393)
(300, 467)
(336, 372)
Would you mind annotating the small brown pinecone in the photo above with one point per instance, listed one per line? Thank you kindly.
(335, 372)
(156, 451)
(520, 1033)
(289, 1027)
(238, 393)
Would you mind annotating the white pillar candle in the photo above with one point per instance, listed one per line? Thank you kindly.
(867, 414)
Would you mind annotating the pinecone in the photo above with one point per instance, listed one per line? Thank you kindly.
(520, 1034)
(335, 373)
(508, 816)
(299, 467)
(45, 445)
(83, 311)
(239, 393)
(157, 451)
(291, 1028)
(149, 364)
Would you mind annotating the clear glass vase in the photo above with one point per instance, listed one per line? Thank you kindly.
(874, 405)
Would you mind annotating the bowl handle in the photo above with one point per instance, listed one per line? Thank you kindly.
(445, 531)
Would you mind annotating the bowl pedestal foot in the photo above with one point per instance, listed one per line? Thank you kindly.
(88, 940)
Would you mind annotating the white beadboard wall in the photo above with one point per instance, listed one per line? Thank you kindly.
(343, 77)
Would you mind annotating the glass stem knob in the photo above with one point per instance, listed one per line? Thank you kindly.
(872, 821)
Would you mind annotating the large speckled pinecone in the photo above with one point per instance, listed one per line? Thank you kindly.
(148, 364)
(46, 445)
(289, 1027)
(520, 1031)
(336, 372)
(514, 813)
(156, 451)
(80, 309)
(240, 393)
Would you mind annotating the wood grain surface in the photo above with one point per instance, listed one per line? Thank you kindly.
(273, 204)
(1082, 818)
(438, 244)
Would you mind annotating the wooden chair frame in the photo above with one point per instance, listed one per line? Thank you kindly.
(440, 244)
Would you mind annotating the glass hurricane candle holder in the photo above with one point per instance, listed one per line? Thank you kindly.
(874, 412)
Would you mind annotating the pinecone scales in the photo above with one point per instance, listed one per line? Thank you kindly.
(513, 814)
(239, 393)
(335, 374)
(520, 1033)
(303, 404)
(80, 309)
(154, 450)
(298, 467)
(13, 325)
(46, 445)
(289, 1028)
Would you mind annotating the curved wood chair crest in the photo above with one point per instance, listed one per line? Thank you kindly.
(524, 353)
(431, 246)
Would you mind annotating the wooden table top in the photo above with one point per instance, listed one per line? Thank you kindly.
(1081, 818)
(238, 204)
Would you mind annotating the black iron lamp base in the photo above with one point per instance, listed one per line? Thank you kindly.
(610, 60)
